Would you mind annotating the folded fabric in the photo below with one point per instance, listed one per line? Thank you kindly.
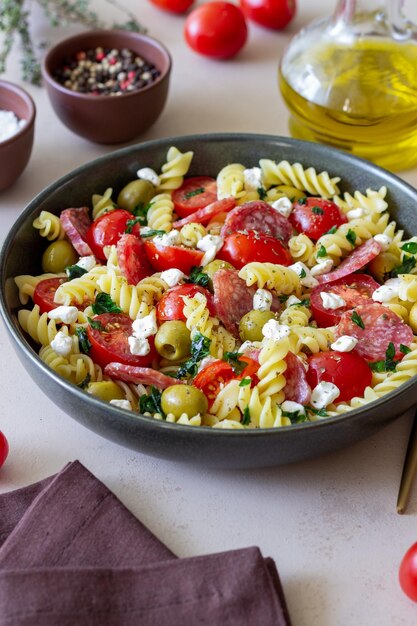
(73, 554)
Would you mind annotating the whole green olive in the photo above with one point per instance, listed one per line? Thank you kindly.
(58, 255)
(251, 324)
(213, 267)
(292, 193)
(179, 399)
(173, 340)
(106, 390)
(134, 193)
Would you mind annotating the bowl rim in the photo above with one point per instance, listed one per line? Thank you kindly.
(17, 89)
(126, 416)
(48, 77)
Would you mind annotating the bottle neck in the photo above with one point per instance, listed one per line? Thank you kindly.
(377, 15)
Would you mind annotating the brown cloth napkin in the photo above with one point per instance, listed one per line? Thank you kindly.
(72, 554)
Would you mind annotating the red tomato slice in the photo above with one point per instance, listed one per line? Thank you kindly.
(408, 573)
(354, 289)
(315, 216)
(133, 262)
(212, 377)
(4, 448)
(165, 257)
(171, 305)
(194, 194)
(45, 292)
(347, 370)
(110, 344)
(204, 215)
(242, 248)
(107, 230)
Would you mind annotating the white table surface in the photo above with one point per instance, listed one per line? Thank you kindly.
(331, 523)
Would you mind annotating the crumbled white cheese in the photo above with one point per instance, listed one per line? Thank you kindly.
(306, 278)
(168, 239)
(262, 300)
(384, 241)
(87, 262)
(388, 291)
(206, 361)
(252, 178)
(292, 300)
(210, 245)
(61, 344)
(138, 346)
(324, 394)
(144, 230)
(322, 268)
(10, 124)
(345, 343)
(64, 314)
(274, 330)
(122, 404)
(147, 173)
(172, 276)
(145, 326)
(288, 406)
(332, 301)
(283, 206)
(355, 214)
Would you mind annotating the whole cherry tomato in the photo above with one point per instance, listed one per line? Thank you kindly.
(4, 448)
(408, 573)
(242, 248)
(347, 370)
(171, 305)
(216, 29)
(274, 14)
(173, 6)
(315, 216)
(107, 230)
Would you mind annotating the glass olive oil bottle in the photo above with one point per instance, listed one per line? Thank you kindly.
(351, 82)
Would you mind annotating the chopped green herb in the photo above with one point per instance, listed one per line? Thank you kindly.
(305, 302)
(83, 340)
(321, 252)
(356, 319)
(317, 210)
(198, 277)
(388, 365)
(410, 247)
(303, 273)
(233, 358)
(130, 224)
(194, 192)
(351, 236)
(200, 348)
(261, 192)
(246, 417)
(302, 200)
(319, 412)
(74, 271)
(245, 382)
(151, 402)
(96, 324)
(152, 233)
(295, 417)
(84, 383)
(283, 298)
(404, 349)
(405, 268)
(141, 213)
(331, 230)
(390, 353)
(104, 304)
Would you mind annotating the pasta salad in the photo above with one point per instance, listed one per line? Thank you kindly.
(259, 298)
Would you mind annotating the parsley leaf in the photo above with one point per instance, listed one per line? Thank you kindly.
(321, 252)
(198, 277)
(356, 319)
(151, 402)
(404, 349)
(233, 358)
(200, 348)
(130, 224)
(388, 365)
(305, 302)
(246, 417)
(83, 340)
(245, 382)
(295, 417)
(317, 210)
(319, 412)
(152, 233)
(303, 273)
(405, 268)
(74, 271)
(351, 236)
(104, 304)
(96, 324)
(410, 247)
(141, 213)
(261, 192)
(302, 200)
(331, 230)
(194, 192)
(84, 383)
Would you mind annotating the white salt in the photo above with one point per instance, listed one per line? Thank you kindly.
(10, 124)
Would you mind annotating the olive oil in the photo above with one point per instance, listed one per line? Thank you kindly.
(359, 96)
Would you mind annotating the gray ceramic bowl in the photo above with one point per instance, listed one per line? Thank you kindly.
(205, 446)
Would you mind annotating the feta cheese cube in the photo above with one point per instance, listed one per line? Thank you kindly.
(144, 327)
(172, 276)
(138, 346)
(322, 268)
(283, 206)
(262, 300)
(87, 262)
(147, 173)
(252, 178)
(61, 344)
(331, 301)
(274, 330)
(64, 314)
(345, 343)
(324, 394)
(122, 404)
(306, 278)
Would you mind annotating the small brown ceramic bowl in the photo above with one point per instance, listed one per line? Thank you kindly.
(104, 118)
(15, 151)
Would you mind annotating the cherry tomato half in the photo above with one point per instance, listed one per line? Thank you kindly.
(44, 293)
(173, 6)
(109, 342)
(4, 448)
(408, 573)
(107, 230)
(195, 193)
(242, 248)
(216, 374)
(347, 370)
(171, 305)
(274, 14)
(165, 257)
(315, 216)
(355, 289)
(216, 29)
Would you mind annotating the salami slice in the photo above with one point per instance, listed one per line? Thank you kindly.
(76, 223)
(356, 260)
(375, 327)
(297, 388)
(258, 216)
(140, 375)
(132, 259)
(204, 215)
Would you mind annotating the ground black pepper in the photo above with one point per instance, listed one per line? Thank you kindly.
(106, 72)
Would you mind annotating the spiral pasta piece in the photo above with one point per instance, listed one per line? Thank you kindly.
(231, 181)
(102, 203)
(272, 367)
(78, 290)
(302, 249)
(295, 175)
(134, 300)
(373, 203)
(295, 315)
(160, 213)
(310, 339)
(37, 325)
(190, 234)
(346, 238)
(197, 315)
(49, 226)
(263, 413)
(272, 276)
(27, 284)
(173, 171)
